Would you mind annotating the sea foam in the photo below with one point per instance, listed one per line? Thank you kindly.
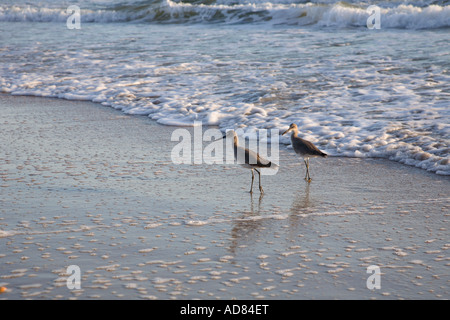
(340, 14)
(354, 93)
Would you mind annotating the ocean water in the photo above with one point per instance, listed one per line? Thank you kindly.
(353, 91)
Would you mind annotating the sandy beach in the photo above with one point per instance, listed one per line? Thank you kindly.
(82, 184)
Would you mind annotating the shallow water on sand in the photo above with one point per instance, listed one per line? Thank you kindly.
(89, 186)
(353, 91)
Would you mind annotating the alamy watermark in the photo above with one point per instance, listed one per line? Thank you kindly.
(374, 280)
(213, 147)
(74, 280)
(374, 20)
(74, 20)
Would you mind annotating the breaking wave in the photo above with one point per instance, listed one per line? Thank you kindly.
(417, 15)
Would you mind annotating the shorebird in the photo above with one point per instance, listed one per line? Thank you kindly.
(304, 148)
(248, 158)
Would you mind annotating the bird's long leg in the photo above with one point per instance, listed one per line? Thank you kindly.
(307, 170)
(306, 173)
(253, 178)
(260, 186)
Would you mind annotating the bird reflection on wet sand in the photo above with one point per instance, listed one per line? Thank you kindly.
(245, 228)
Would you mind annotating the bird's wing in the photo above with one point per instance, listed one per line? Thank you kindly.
(244, 155)
(307, 147)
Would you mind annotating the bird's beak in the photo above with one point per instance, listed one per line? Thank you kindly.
(286, 131)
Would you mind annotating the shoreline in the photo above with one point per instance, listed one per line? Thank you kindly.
(84, 184)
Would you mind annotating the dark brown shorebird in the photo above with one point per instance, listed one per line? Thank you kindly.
(248, 158)
(304, 148)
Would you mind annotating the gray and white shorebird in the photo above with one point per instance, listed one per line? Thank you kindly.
(248, 158)
(304, 148)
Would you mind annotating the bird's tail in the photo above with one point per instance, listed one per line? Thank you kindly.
(273, 165)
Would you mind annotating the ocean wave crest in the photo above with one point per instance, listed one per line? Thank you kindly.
(341, 14)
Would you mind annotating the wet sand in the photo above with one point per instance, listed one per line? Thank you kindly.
(82, 184)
